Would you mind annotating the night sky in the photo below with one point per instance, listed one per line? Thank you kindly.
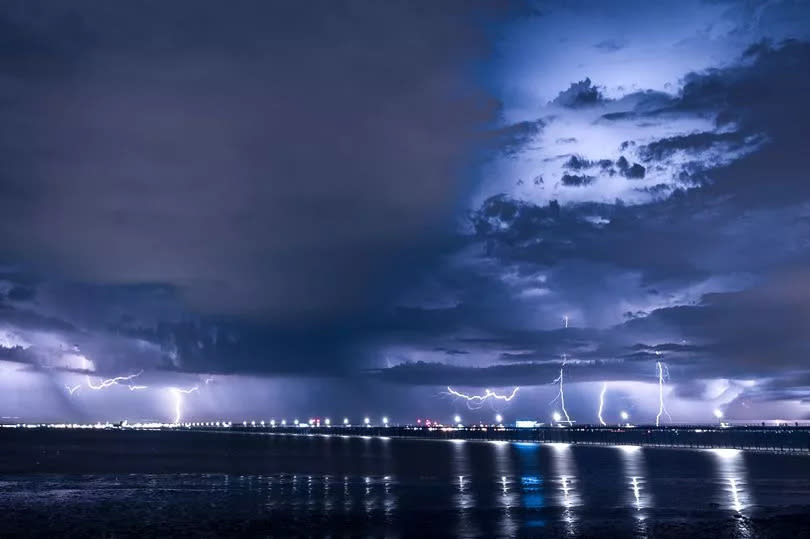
(340, 208)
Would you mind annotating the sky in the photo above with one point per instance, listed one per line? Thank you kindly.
(329, 209)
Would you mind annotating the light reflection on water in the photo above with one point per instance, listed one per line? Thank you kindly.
(635, 473)
(733, 477)
(457, 488)
(508, 498)
(565, 473)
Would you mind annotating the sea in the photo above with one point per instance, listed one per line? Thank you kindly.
(126, 483)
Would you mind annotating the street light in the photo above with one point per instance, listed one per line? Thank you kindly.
(366, 421)
(345, 420)
(385, 421)
(327, 421)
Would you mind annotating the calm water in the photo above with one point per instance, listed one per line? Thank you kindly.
(183, 483)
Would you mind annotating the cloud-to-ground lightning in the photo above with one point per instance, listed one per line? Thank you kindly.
(476, 401)
(602, 403)
(178, 393)
(661, 408)
(73, 389)
(561, 394)
(565, 320)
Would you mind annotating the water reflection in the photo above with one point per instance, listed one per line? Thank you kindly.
(508, 498)
(639, 496)
(568, 496)
(733, 476)
(635, 472)
(464, 501)
(532, 499)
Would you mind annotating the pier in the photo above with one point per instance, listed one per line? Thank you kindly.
(793, 439)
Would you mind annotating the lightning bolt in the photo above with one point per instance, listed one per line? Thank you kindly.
(565, 320)
(73, 389)
(475, 402)
(178, 393)
(111, 381)
(561, 394)
(133, 387)
(602, 403)
(661, 408)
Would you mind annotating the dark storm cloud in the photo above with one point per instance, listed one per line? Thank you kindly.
(731, 305)
(526, 374)
(266, 171)
(579, 94)
(576, 180)
(514, 138)
(272, 189)
(265, 160)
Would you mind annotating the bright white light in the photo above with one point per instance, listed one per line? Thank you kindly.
(178, 393)
(625, 416)
(457, 419)
(295, 422)
(366, 420)
(498, 418)
(726, 453)
(110, 381)
(661, 408)
(557, 417)
(718, 413)
(385, 420)
(475, 402)
(345, 420)
(327, 421)
(602, 403)
(561, 393)
(283, 422)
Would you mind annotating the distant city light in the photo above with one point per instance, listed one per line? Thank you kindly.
(366, 421)
(457, 419)
(327, 421)
(385, 420)
(498, 418)
(625, 415)
(557, 417)
(345, 420)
